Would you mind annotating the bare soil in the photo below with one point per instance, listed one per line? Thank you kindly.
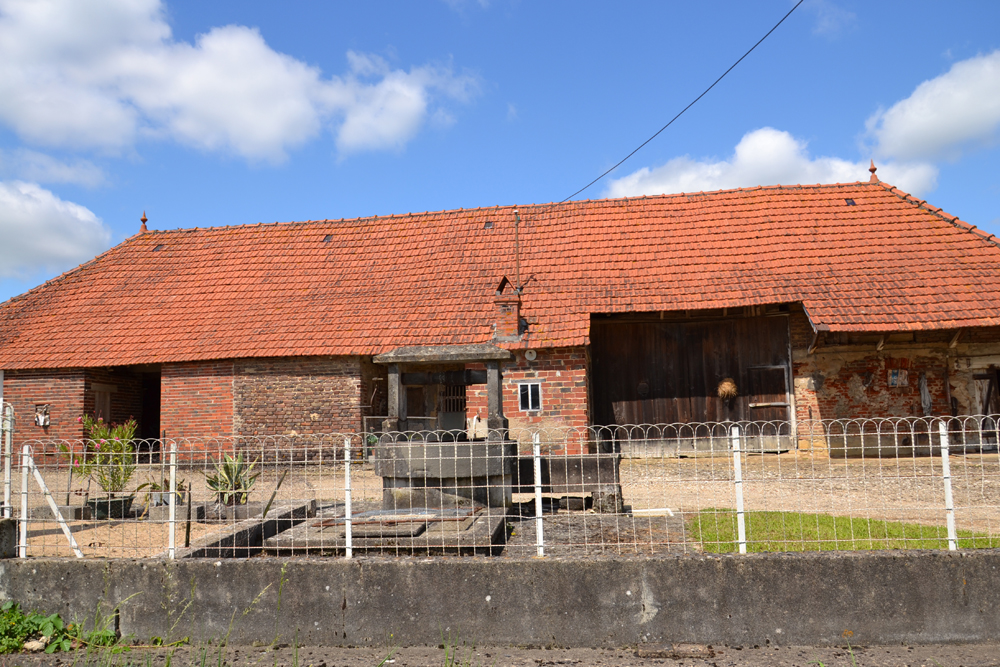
(931, 655)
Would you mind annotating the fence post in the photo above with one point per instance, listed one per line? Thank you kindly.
(741, 526)
(536, 454)
(22, 551)
(348, 550)
(172, 501)
(8, 427)
(949, 505)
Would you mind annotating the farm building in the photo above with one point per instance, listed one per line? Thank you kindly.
(772, 303)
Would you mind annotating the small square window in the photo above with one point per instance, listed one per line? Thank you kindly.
(530, 395)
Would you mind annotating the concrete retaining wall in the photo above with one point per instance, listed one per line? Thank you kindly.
(883, 598)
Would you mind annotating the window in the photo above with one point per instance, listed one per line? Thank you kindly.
(530, 394)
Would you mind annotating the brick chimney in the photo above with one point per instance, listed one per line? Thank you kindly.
(507, 312)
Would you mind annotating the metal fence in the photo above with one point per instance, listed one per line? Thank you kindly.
(641, 490)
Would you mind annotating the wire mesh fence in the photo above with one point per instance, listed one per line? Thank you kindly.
(641, 490)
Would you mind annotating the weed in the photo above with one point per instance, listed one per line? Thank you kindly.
(17, 627)
(847, 634)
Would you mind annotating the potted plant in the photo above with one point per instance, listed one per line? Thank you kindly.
(159, 492)
(109, 459)
(233, 479)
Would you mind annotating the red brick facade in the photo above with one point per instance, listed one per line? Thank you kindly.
(848, 377)
(562, 377)
(196, 399)
(61, 390)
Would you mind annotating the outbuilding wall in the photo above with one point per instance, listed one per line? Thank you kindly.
(562, 376)
(61, 389)
(196, 399)
(298, 395)
(847, 377)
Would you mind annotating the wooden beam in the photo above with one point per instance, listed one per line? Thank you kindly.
(881, 344)
(814, 344)
(954, 339)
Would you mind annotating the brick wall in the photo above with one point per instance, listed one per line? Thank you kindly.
(196, 399)
(126, 397)
(299, 395)
(562, 374)
(62, 390)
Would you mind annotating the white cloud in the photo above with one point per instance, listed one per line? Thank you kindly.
(831, 20)
(40, 230)
(765, 157)
(388, 112)
(943, 116)
(38, 167)
(101, 74)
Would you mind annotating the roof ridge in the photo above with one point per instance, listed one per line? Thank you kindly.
(522, 207)
(953, 220)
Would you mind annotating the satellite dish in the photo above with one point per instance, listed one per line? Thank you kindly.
(530, 355)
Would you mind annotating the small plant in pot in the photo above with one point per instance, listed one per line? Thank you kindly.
(233, 479)
(109, 459)
(158, 492)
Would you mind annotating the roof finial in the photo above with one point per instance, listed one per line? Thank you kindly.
(142, 229)
(874, 178)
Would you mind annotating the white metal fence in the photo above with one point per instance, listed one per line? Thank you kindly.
(638, 490)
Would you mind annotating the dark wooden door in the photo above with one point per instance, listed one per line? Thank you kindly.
(656, 372)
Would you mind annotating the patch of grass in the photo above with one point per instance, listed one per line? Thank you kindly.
(716, 530)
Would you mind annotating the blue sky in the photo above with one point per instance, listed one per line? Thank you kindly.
(228, 113)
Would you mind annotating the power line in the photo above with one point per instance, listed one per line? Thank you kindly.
(622, 161)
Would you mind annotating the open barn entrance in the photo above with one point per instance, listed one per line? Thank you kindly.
(679, 368)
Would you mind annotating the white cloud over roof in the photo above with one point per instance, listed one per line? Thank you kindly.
(944, 115)
(41, 230)
(100, 75)
(765, 157)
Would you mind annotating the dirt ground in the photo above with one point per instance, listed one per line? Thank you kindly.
(935, 655)
(661, 492)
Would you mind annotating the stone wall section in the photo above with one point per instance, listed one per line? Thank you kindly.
(299, 395)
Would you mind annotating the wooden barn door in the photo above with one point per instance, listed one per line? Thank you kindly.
(662, 372)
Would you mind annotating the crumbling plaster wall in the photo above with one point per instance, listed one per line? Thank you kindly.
(849, 381)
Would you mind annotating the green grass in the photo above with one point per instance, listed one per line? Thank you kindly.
(793, 531)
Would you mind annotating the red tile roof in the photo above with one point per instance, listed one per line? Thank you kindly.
(888, 263)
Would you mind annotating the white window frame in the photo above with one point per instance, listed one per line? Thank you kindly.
(521, 396)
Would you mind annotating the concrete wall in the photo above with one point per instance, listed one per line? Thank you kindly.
(882, 597)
